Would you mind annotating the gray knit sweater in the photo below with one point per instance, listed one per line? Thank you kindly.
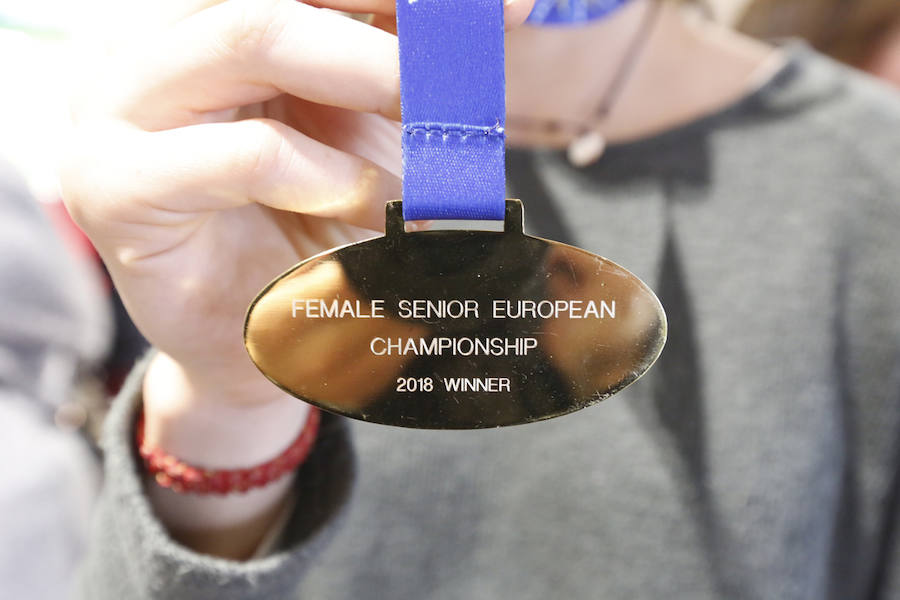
(758, 459)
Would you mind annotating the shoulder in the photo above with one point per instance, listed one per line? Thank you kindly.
(833, 110)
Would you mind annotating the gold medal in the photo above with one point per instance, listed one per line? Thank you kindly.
(455, 329)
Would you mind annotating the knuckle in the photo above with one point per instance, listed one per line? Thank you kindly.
(73, 171)
(367, 186)
(360, 197)
(390, 104)
(90, 177)
(256, 26)
(265, 154)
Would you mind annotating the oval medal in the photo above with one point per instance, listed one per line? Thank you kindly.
(455, 329)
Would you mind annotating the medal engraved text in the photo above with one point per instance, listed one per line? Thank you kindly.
(337, 309)
(432, 311)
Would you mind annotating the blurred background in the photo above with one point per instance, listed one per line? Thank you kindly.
(37, 63)
(38, 56)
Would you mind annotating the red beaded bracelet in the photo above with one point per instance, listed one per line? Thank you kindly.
(181, 477)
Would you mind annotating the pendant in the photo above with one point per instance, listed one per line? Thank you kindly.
(454, 329)
(586, 149)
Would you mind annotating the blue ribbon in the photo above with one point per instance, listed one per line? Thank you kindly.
(571, 12)
(453, 101)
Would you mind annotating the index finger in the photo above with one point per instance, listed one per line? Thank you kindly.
(246, 51)
(515, 11)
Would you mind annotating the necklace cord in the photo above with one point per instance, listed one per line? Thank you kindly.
(613, 91)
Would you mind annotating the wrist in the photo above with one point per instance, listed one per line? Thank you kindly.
(216, 423)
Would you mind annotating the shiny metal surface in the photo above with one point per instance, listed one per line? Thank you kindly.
(455, 329)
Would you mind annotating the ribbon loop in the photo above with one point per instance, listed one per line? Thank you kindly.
(454, 108)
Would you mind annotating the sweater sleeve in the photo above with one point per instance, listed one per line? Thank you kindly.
(132, 556)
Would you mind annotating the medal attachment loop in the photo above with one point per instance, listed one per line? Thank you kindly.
(394, 225)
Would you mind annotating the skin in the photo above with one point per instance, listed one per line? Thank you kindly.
(222, 142)
(852, 32)
(885, 60)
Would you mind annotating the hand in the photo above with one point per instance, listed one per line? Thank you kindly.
(218, 147)
(223, 147)
(193, 217)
